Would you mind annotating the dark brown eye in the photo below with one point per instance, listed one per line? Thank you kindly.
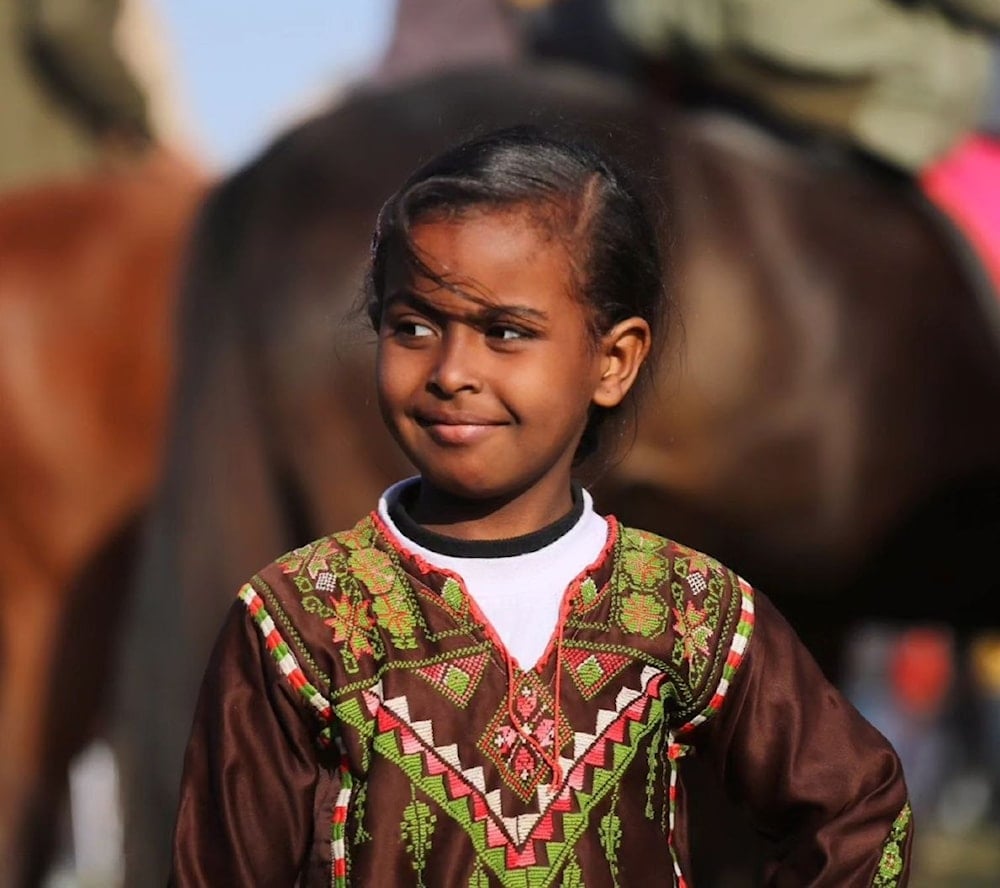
(414, 329)
(507, 333)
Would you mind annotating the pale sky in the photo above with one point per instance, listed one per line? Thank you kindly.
(248, 67)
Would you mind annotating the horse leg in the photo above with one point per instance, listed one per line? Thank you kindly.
(29, 628)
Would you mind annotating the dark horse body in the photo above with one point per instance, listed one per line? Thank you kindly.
(830, 372)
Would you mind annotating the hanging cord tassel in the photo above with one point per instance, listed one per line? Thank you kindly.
(515, 720)
(550, 758)
(557, 771)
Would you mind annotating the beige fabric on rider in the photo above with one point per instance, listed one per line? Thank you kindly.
(902, 82)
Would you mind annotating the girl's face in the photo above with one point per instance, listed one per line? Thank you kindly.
(488, 396)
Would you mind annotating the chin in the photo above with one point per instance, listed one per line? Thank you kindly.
(473, 489)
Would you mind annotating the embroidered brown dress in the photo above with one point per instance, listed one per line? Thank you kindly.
(360, 724)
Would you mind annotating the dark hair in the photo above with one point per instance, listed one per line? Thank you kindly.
(570, 188)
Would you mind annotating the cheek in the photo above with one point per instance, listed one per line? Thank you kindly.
(562, 396)
(388, 380)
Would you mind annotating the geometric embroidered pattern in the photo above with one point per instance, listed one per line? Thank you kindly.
(737, 648)
(456, 679)
(505, 742)
(496, 784)
(592, 670)
(525, 850)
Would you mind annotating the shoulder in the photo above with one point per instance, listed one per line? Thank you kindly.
(702, 610)
(312, 606)
(318, 569)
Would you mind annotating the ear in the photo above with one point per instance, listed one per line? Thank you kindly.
(622, 349)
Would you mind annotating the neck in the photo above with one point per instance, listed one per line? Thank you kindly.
(432, 35)
(489, 519)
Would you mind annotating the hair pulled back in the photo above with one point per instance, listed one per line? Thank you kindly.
(576, 194)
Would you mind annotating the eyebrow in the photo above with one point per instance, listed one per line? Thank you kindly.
(488, 313)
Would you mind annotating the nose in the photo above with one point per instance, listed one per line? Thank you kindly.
(458, 367)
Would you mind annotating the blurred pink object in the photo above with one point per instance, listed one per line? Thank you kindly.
(965, 183)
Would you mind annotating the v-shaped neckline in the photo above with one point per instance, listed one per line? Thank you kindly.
(572, 597)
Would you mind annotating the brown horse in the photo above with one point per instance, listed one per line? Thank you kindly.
(827, 402)
(87, 274)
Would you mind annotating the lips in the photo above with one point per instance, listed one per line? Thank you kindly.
(454, 427)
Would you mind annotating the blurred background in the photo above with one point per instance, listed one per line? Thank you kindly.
(186, 196)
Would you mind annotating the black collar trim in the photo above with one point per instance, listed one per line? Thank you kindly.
(456, 548)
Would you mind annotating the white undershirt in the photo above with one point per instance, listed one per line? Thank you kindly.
(520, 595)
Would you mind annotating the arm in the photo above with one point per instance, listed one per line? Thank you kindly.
(816, 777)
(250, 773)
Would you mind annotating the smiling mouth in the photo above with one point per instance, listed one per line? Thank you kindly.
(456, 428)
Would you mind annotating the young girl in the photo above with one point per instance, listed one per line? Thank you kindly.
(484, 682)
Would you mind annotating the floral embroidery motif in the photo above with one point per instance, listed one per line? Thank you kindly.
(610, 831)
(355, 584)
(310, 561)
(416, 831)
(394, 614)
(643, 614)
(351, 623)
(374, 568)
(890, 865)
(694, 632)
(505, 742)
(361, 536)
(644, 571)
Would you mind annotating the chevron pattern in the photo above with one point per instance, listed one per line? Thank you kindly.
(526, 850)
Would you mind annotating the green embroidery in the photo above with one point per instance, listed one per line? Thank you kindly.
(361, 536)
(558, 853)
(657, 589)
(451, 592)
(351, 622)
(652, 767)
(361, 799)
(456, 677)
(890, 865)
(641, 540)
(371, 592)
(479, 877)
(374, 568)
(592, 669)
(416, 830)
(694, 633)
(588, 592)
(313, 605)
(644, 569)
(572, 875)
(590, 672)
(665, 789)
(395, 615)
(610, 832)
(642, 614)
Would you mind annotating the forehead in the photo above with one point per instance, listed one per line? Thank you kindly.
(500, 255)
